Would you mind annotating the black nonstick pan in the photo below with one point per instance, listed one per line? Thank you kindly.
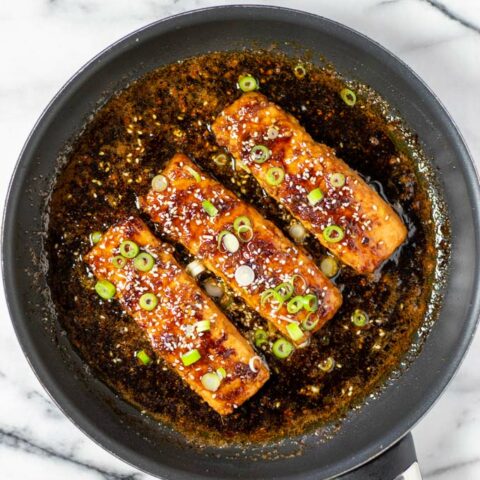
(366, 436)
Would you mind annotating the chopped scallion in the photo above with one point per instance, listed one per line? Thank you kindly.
(148, 301)
(202, 326)
(275, 176)
(348, 96)
(282, 348)
(261, 337)
(315, 196)
(220, 159)
(245, 233)
(247, 83)
(129, 249)
(333, 234)
(105, 289)
(244, 275)
(260, 154)
(229, 241)
(211, 381)
(190, 357)
(329, 267)
(285, 290)
(337, 179)
(295, 304)
(310, 322)
(359, 318)
(118, 261)
(210, 208)
(272, 132)
(310, 303)
(95, 237)
(159, 183)
(327, 365)
(144, 262)
(193, 173)
(299, 71)
(295, 331)
(271, 293)
(143, 356)
(240, 221)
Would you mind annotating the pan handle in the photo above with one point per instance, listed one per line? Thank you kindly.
(399, 462)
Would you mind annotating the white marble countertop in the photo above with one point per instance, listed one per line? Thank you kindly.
(43, 42)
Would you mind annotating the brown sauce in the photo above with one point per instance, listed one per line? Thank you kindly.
(169, 110)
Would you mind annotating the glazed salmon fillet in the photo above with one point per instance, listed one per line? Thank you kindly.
(184, 326)
(251, 255)
(321, 191)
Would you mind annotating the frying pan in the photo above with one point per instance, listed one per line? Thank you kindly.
(366, 433)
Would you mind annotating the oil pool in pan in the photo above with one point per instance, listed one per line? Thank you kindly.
(126, 143)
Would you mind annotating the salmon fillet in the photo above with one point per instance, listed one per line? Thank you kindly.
(173, 325)
(268, 257)
(346, 215)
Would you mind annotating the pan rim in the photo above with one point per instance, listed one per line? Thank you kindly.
(93, 431)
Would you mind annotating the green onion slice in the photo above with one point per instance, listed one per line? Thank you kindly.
(348, 96)
(129, 249)
(260, 153)
(105, 289)
(220, 238)
(159, 183)
(310, 321)
(190, 357)
(95, 237)
(148, 301)
(220, 159)
(193, 173)
(299, 71)
(282, 348)
(118, 261)
(275, 176)
(247, 83)
(240, 221)
(222, 373)
(327, 365)
(272, 132)
(337, 179)
(143, 356)
(229, 241)
(209, 207)
(144, 262)
(294, 277)
(245, 233)
(202, 326)
(261, 337)
(295, 331)
(271, 293)
(211, 381)
(315, 196)
(333, 234)
(310, 303)
(295, 304)
(329, 267)
(359, 318)
(285, 290)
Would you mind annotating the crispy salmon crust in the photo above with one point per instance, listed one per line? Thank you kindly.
(172, 326)
(369, 229)
(180, 212)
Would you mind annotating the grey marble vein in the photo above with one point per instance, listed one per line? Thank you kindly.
(452, 15)
(17, 441)
(451, 468)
